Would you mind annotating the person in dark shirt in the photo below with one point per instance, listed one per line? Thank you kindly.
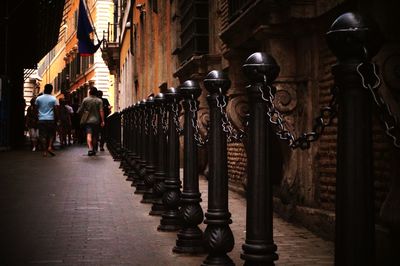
(107, 110)
(92, 119)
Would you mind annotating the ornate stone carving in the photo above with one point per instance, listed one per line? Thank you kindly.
(237, 109)
(203, 118)
(285, 98)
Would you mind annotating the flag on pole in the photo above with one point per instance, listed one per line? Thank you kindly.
(86, 46)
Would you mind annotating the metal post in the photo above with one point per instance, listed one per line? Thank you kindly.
(123, 140)
(140, 167)
(118, 146)
(259, 247)
(218, 235)
(135, 144)
(354, 40)
(126, 140)
(171, 220)
(132, 155)
(158, 207)
(150, 153)
(190, 238)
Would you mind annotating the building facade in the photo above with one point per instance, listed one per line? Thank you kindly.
(163, 43)
(70, 73)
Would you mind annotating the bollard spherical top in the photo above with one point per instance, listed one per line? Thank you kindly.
(260, 65)
(354, 37)
(172, 93)
(217, 82)
(159, 98)
(150, 101)
(190, 88)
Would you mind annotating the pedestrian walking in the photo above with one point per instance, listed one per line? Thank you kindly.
(107, 111)
(31, 122)
(69, 128)
(47, 112)
(64, 123)
(92, 118)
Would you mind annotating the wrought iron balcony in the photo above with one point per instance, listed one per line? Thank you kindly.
(110, 52)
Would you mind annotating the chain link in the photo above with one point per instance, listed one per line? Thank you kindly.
(386, 116)
(197, 136)
(175, 113)
(327, 114)
(153, 118)
(146, 126)
(164, 118)
(227, 127)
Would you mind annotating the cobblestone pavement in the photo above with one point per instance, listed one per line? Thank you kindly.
(72, 209)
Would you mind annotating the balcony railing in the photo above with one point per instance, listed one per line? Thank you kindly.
(110, 36)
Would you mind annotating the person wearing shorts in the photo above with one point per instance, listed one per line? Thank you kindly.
(94, 119)
(31, 121)
(46, 104)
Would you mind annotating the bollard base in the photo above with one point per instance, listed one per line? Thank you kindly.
(168, 227)
(170, 221)
(148, 197)
(216, 260)
(190, 241)
(140, 187)
(158, 208)
(258, 253)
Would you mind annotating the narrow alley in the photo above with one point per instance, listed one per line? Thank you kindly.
(73, 209)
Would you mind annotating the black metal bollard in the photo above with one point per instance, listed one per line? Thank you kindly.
(142, 141)
(259, 247)
(111, 139)
(133, 175)
(123, 140)
(126, 140)
(132, 154)
(190, 238)
(171, 219)
(158, 207)
(115, 144)
(218, 235)
(354, 40)
(150, 152)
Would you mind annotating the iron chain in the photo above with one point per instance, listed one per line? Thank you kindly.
(197, 136)
(227, 127)
(175, 113)
(164, 118)
(327, 114)
(146, 126)
(153, 118)
(386, 116)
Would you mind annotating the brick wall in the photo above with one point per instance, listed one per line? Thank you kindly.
(237, 163)
(326, 168)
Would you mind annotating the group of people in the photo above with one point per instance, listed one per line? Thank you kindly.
(46, 116)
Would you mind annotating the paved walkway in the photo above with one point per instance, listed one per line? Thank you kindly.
(72, 209)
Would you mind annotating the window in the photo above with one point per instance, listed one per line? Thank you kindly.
(154, 5)
(194, 28)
